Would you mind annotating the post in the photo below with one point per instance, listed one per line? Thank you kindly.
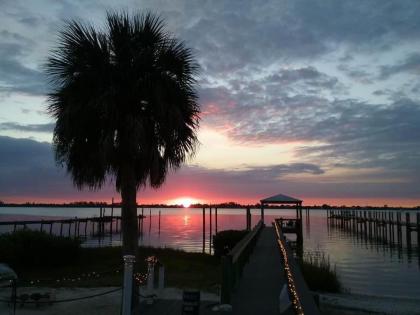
(210, 228)
(262, 213)
(215, 223)
(408, 228)
(204, 229)
(226, 288)
(142, 220)
(161, 279)
(248, 217)
(150, 219)
(418, 229)
(129, 261)
(159, 221)
(138, 224)
(112, 213)
(150, 277)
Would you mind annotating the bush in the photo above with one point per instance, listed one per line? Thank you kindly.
(26, 249)
(224, 241)
(319, 274)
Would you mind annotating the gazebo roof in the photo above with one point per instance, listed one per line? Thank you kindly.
(280, 199)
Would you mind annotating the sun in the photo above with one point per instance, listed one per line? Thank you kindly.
(186, 202)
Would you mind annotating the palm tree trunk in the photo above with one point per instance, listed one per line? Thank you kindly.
(129, 213)
(129, 222)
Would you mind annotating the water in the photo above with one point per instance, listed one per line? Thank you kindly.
(364, 265)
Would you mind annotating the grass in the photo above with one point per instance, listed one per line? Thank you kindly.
(182, 269)
(319, 274)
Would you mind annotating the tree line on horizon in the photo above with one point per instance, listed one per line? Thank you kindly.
(226, 205)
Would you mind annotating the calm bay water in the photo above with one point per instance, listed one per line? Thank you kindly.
(365, 266)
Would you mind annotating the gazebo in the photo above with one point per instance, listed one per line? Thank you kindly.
(293, 225)
(281, 199)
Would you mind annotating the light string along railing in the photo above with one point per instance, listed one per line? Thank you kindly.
(293, 293)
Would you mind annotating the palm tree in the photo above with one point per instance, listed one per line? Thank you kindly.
(125, 103)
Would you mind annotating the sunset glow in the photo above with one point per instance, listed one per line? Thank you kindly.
(327, 115)
(184, 201)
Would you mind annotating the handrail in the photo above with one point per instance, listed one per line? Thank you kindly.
(300, 296)
(239, 248)
(234, 261)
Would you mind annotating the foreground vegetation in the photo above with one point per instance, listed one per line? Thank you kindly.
(226, 240)
(319, 274)
(45, 264)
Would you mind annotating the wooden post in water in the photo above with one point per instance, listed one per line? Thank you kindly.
(142, 220)
(248, 219)
(204, 229)
(150, 219)
(138, 224)
(69, 228)
(78, 228)
(42, 223)
(51, 224)
(86, 223)
(211, 230)
(408, 229)
(112, 214)
(399, 233)
(61, 229)
(392, 227)
(418, 229)
(159, 221)
(75, 226)
(215, 221)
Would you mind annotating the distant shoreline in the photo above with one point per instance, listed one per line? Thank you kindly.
(229, 205)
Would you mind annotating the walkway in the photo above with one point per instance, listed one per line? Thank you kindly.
(259, 288)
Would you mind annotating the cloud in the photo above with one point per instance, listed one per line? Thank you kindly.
(15, 76)
(411, 65)
(28, 171)
(47, 128)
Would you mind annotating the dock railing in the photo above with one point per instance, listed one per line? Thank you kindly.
(234, 262)
(299, 294)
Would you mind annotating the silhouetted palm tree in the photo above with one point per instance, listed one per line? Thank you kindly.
(125, 105)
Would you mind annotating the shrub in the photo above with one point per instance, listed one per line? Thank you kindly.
(27, 249)
(224, 241)
(319, 274)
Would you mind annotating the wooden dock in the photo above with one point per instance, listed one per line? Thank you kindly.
(388, 226)
(260, 272)
(75, 227)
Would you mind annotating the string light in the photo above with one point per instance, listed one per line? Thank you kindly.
(139, 277)
(293, 293)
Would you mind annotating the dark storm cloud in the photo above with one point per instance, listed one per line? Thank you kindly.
(47, 128)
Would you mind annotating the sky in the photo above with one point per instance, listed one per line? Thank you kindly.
(316, 99)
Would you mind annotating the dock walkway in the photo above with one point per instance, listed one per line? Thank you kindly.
(259, 288)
